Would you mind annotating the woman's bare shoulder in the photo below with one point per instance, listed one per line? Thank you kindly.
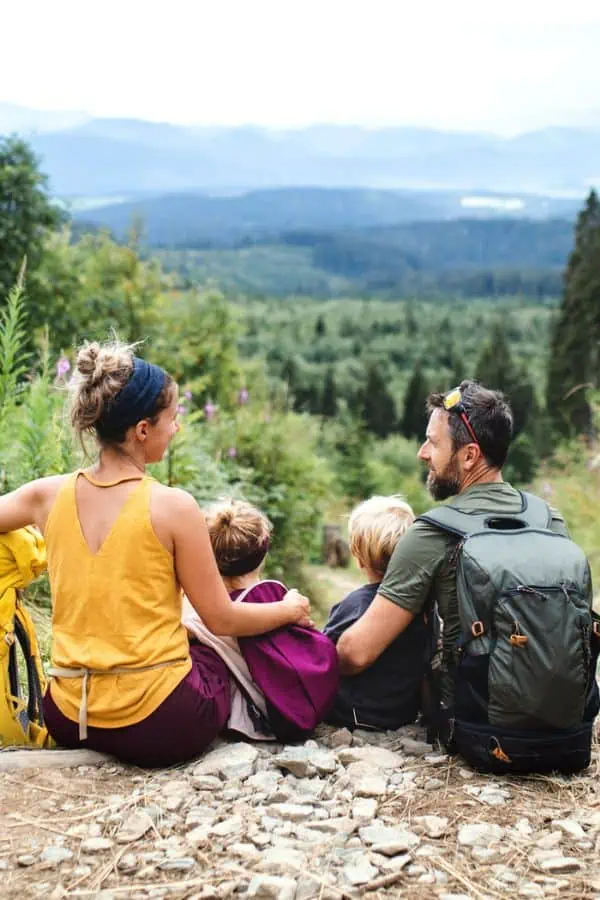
(173, 500)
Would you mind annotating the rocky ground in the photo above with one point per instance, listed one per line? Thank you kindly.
(342, 816)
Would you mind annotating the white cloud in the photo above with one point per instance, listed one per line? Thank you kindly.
(463, 64)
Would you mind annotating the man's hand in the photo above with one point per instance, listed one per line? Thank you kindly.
(365, 641)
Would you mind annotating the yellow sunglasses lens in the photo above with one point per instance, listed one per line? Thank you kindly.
(452, 399)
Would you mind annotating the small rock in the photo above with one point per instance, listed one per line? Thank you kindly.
(26, 860)
(295, 812)
(229, 826)
(309, 888)
(265, 781)
(415, 870)
(134, 827)
(128, 864)
(436, 759)
(305, 761)
(96, 845)
(570, 827)
(341, 738)
(229, 761)
(281, 860)
(175, 786)
(364, 809)
(389, 840)
(245, 851)
(433, 784)
(360, 871)
(484, 854)
(82, 871)
(271, 887)
(177, 864)
(371, 786)
(433, 826)
(561, 864)
(56, 855)
(415, 748)
(394, 863)
(550, 840)
(376, 757)
(207, 783)
(58, 893)
(199, 835)
(479, 834)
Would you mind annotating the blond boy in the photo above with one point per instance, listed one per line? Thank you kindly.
(387, 694)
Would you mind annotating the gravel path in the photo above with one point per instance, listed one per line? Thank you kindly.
(342, 816)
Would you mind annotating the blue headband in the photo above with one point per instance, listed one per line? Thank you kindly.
(137, 400)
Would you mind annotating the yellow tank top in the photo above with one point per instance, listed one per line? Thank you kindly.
(118, 607)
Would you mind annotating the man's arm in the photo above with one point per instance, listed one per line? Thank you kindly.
(365, 641)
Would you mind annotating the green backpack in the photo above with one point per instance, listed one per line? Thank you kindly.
(524, 675)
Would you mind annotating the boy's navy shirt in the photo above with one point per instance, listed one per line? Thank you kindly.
(387, 695)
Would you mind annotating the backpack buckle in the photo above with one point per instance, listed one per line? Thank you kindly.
(518, 640)
(477, 629)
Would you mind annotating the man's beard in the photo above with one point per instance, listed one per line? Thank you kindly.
(446, 484)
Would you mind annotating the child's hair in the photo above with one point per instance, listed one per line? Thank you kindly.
(239, 534)
(374, 529)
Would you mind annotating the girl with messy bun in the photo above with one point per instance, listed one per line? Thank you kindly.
(121, 547)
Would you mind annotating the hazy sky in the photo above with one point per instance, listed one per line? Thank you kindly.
(505, 66)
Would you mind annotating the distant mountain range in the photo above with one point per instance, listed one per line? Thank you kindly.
(201, 221)
(97, 157)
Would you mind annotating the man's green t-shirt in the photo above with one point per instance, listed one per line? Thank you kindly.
(423, 565)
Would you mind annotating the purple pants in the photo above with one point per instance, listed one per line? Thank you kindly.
(180, 729)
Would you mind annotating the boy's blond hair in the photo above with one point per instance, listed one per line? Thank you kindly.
(239, 532)
(374, 529)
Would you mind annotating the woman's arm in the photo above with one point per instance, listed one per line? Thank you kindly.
(199, 577)
(29, 504)
(21, 507)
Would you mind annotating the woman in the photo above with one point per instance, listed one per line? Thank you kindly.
(120, 548)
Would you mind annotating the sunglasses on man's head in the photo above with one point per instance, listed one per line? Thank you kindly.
(453, 402)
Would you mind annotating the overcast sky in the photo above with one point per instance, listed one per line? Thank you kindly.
(504, 66)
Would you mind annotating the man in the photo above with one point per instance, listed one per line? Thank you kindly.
(467, 440)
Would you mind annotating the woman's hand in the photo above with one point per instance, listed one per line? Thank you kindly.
(299, 608)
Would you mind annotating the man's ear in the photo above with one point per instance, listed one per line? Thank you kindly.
(472, 455)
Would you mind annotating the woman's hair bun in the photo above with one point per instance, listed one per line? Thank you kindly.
(96, 361)
(101, 372)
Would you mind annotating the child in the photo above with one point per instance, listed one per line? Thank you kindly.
(284, 682)
(388, 693)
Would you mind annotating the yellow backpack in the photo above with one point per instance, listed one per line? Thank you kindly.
(22, 559)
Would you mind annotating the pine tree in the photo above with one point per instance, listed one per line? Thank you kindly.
(378, 407)
(414, 417)
(329, 402)
(320, 327)
(496, 369)
(574, 360)
(353, 472)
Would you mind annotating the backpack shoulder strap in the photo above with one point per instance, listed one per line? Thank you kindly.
(453, 520)
(258, 584)
(536, 511)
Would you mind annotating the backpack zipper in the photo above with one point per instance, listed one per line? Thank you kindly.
(538, 590)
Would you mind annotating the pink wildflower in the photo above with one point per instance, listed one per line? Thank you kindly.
(62, 367)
